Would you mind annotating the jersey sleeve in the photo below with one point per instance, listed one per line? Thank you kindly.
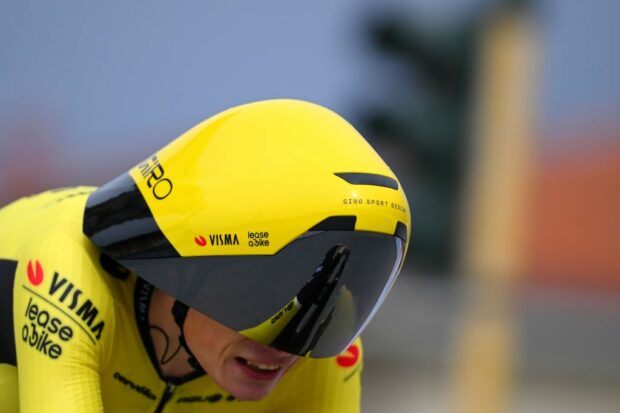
(61, 312)
(330, 385)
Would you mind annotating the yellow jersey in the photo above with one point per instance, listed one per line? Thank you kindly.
(73, 336)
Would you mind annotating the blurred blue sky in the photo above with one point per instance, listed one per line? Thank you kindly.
(110, 72)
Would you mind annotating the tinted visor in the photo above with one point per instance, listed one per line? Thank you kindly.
(313, 297)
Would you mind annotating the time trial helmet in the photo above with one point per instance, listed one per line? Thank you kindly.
(274, 218)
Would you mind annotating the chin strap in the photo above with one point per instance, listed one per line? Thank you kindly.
(179, 312)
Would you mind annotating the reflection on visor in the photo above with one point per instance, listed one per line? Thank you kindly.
(299, 326)
(387, 288)
(314, 314)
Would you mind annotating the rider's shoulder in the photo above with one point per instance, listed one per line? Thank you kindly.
(54, 255)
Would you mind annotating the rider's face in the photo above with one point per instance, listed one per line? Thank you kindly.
(246, 369)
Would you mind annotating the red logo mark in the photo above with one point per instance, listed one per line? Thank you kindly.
(35, 273)
(349, 357)
(200, 240)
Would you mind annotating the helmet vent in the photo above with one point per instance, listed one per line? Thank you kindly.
(401, 231)
(336, 223)
(360, 178)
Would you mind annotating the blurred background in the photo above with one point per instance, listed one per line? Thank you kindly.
(500, 117)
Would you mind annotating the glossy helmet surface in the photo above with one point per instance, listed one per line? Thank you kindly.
(275, 218)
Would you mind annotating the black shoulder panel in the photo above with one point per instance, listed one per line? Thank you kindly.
(7, 338)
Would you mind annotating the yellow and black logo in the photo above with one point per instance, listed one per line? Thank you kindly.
(152, 170)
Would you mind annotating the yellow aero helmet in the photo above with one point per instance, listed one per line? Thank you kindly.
(275, 218)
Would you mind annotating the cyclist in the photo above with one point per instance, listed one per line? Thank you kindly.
(231, 271)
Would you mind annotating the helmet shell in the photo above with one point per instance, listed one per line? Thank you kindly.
(253, 178)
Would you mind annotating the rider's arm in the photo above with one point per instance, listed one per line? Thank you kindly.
(62, 317)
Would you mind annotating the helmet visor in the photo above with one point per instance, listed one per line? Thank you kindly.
(313, 297)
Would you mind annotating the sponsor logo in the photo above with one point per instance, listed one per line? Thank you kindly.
(44, 332)
(211, 398)
(283, 311)
(223, 239)
(152, 170)
(352, 201)
(350, 356)
(143, 390)
(35, 272)
(200, 241)
(380, 203)
(72, 297)
(40, 326)
(258, 238)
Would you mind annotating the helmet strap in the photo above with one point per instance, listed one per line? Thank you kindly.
(179, 312)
